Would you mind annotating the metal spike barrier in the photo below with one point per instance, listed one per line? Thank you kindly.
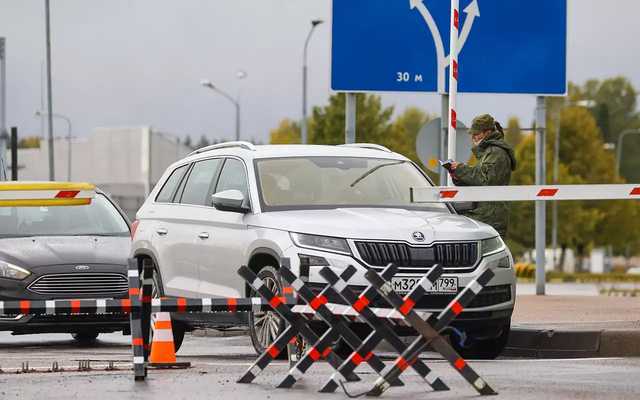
(140, 305)
(429, 330)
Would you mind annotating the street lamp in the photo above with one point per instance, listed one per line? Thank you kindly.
(314, 23)
(40, 114)
(207, 83)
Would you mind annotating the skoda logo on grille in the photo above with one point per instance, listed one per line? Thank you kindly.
(418, 236)
(82, 268)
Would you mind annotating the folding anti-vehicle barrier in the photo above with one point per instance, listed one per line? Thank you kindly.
(337, 317)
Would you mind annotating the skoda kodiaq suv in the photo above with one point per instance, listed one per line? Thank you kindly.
(236, 204)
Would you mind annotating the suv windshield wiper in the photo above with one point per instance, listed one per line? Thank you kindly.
(372, 170)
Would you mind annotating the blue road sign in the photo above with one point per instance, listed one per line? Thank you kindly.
(506, 46)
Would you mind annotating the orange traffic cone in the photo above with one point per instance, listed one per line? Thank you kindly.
(163, 352)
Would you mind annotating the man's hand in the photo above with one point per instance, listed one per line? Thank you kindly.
(455, 165)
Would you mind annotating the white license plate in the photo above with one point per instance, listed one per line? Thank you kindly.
(404, 285)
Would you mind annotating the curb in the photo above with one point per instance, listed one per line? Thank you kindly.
(552, 343)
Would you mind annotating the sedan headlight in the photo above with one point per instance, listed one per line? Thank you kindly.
(10, 271)
(337, 245)
(492, 246)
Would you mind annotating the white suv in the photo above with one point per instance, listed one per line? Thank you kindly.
(236, 204)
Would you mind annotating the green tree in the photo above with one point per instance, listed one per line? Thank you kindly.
(404, 133)
(188, 142)
(31, 142)
(513, 133)
(287, 132)
(373, 121)
(615, 110)
(583, 160)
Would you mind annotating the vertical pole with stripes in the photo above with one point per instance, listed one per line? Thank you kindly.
(453, 81)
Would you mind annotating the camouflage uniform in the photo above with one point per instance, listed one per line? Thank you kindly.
(496, 160)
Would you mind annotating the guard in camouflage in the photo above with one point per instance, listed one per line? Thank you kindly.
(496, 160)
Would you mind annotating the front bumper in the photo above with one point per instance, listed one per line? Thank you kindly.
(12, 290)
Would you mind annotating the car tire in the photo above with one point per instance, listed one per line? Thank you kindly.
(486, 349)
(265, 327)
(177, 328)
(85, 338)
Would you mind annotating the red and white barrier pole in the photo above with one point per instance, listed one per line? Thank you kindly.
(525, 193)
(453, 81)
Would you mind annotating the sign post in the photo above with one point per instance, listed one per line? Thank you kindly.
(541, 221)
(453, 82)
(350, 118)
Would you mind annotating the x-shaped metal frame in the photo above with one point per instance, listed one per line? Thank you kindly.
(429, 330)
(298, 325)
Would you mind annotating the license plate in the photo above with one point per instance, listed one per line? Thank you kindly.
(404, 285)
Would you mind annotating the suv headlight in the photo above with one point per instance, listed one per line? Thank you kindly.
(337, 245)
(10, 271)
(492, 246)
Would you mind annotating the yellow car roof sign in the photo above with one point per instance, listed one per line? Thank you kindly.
(45, 194)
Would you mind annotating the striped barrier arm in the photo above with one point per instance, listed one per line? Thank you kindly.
(289, 294)
(211, 305)
(524, 193)
(429, 333)
(298, 322)
(57, 307)
(278, 345)
(381, 328)
(137, 337)
(319, 304)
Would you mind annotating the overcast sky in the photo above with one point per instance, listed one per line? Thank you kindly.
(139, 62)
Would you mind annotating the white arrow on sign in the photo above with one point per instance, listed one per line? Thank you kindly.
(437, 39)
(472, 11)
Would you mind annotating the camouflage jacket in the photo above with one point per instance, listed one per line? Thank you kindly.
(496, 160)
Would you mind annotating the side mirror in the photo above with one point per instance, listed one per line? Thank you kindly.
(465, 206)
(229, 200)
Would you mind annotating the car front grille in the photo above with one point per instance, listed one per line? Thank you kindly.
(81, 284)
(419, 259)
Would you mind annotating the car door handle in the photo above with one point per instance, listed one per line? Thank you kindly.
(204, 235)
(162, 231)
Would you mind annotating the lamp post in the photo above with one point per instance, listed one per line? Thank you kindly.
(303, 125)
(207, 83)
(40, 114)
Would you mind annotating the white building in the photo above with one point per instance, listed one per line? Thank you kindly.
(124, 162)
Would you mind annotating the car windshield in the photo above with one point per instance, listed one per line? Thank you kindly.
(100, 218)
(336, 182)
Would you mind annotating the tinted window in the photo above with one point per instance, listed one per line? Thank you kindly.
(198, 185)
(169, 188)
(233, 176)
(99, 218)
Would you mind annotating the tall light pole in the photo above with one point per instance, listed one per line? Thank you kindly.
(40, 114)
(52, 175)
(303, 125)
(207, 83)
(3, 112)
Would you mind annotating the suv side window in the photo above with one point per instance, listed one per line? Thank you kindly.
(233, 176)
(169, 189)
(199, 182)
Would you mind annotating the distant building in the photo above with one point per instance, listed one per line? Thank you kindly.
(124, 162)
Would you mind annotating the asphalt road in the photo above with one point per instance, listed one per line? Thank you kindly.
(218, 362)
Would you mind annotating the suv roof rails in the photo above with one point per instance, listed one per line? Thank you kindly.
(371, 146)
(225, 145)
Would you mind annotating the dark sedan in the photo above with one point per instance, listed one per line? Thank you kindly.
(64, 252)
